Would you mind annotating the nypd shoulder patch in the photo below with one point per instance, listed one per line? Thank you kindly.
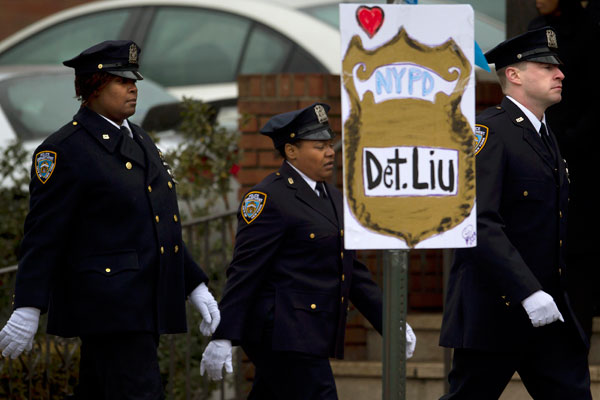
(45, 163)
(252, 205)
(481, 135)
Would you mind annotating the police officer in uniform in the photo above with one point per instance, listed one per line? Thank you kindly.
(506, 306)
(290, 280)
(103, 250)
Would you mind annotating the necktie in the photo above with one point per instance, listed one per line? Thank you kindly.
(546, 140)
(321, 190)
(125, 132)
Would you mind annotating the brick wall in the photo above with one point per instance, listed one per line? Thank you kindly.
(261, 97)
(17, 14)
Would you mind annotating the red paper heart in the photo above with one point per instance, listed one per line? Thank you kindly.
(370, 19)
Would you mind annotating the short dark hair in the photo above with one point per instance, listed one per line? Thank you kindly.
(86, 84)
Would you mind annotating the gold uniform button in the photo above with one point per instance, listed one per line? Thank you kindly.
(313, 306)
(176, 249)
(149, 189)
(312, 235)
(157, 219)
(170, 185)
(343, 277)
(107, 270)
(277, 173)
(292, 135)
(162, 250)
(342, 255)
(342, 299)
(560, 243)
(175, 217)
(526, 193)
(560, 214)
(100, 66)
(128, 165)
(342, 233)
(560, 271)
(74, 122)
(291, 181)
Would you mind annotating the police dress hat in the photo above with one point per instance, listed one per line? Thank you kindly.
(539, 45)
(310, 123)
(117, 57)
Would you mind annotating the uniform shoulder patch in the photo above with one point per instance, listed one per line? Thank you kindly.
(45, 163)
(252, 205)
(481, 135)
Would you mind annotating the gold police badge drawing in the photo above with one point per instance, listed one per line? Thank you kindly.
(408, 148)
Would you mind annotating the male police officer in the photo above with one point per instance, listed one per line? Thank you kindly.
(290, 279)
(103, 250)
(506, 308)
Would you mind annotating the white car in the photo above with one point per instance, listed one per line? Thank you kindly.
(195, 48)
(37, 100)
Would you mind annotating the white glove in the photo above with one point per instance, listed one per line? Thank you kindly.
(411, 341)
(17, 335)
(216, 356)
(208, 307)
(542, 309)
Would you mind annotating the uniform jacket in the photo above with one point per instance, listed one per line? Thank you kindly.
(522, 200)
(290, 268)
(102, 250)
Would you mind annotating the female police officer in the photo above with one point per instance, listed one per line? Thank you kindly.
(290, 280)
(103, 251)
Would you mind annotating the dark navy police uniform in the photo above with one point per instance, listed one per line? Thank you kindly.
(290, 281)
(522, 197)
(103, 250)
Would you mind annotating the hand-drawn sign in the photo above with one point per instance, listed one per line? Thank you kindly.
(408, 158)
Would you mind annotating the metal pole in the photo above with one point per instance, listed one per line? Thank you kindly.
(448, 253)
(395, 267)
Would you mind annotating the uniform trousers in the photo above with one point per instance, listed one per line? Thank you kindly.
(553, 366)
(121, 366)
(288, 375)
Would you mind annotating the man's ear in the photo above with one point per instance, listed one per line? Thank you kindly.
(513, 75)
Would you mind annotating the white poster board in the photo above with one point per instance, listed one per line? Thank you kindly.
(408, 117)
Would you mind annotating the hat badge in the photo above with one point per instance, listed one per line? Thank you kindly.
(551, 37)
(321, 114)
(133, 54)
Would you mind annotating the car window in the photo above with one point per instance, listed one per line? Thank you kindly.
(266, 52)
(38, 105)
(302, 62)
(65, 40)
(187, 46)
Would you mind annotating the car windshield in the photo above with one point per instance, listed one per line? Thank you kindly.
(37, 105)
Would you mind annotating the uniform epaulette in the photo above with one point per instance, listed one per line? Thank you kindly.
(491, 112)
(63, 133)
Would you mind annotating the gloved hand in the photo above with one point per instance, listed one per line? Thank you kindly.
(411, 341)
(542, 309)
(208, 307)
(216, 356)
(17, 335)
